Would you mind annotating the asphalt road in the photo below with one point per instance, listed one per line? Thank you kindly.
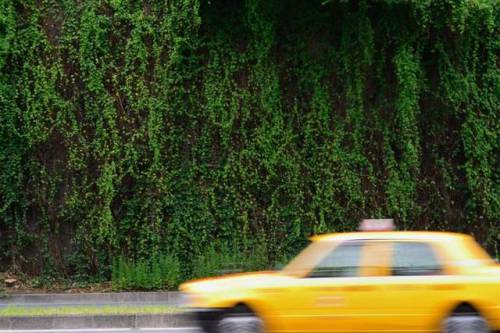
(109, 330)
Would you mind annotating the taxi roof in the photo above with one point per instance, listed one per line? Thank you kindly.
(420, 235)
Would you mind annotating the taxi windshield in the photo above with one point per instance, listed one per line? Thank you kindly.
(308, 258)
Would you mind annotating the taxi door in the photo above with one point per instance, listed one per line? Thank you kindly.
(416, 291)
(341, 293)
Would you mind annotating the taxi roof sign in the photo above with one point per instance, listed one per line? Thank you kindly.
(377, 225)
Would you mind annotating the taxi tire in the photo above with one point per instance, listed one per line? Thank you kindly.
(240, 320)
(466, 323)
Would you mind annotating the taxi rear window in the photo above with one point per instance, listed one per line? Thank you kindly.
(414, 258)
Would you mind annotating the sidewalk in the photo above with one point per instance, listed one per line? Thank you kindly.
(96, 319)
(95, 322)
(98, 299)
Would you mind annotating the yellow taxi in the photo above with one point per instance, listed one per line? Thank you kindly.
(371, 281)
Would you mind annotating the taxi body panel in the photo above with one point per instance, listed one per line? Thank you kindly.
(379, 294)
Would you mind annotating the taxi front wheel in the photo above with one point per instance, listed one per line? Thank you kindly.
(465, 324)
(240, 320)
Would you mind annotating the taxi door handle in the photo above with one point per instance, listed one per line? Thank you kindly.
(328, 301)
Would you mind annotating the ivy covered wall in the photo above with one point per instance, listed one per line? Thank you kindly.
(137, 127)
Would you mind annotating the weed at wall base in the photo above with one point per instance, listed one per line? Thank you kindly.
(160, 272)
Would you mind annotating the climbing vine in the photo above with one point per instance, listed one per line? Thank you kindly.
(172, 127)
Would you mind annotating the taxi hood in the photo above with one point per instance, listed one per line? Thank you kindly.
(230, 281)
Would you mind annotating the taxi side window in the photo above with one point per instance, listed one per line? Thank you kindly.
(414, 258)
(343, 261)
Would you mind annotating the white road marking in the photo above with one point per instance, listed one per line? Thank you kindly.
(70, 330)
(167, 329)
(95, 330)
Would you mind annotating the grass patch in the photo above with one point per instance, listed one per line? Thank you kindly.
(158, 272)
(85, 310)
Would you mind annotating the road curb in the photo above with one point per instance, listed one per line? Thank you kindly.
(164, 297)
(95, 322)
